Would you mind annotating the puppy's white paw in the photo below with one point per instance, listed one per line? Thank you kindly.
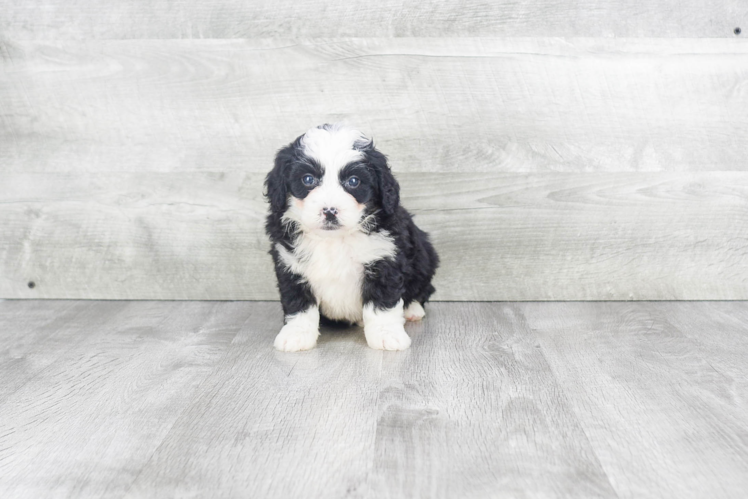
(387, 337)
(294, 337)
(414, 312)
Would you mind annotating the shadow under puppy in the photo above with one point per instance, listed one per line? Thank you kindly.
(342, 245)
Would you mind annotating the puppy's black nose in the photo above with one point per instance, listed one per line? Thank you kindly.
(330, 213)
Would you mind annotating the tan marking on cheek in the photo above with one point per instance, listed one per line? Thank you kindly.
(298, 202)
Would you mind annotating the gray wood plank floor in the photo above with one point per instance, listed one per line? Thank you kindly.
(165, 399)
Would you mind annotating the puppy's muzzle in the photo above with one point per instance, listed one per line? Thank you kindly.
(330, 214)
(331, 217)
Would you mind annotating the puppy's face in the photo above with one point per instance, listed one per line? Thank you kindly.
(330, 198)
(333, 181)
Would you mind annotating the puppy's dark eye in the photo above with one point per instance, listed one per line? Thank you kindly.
(353, 182)
(308, 180)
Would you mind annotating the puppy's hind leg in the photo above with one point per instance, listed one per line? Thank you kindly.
(414, 312)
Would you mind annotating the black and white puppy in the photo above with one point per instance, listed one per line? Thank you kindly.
(343, 246)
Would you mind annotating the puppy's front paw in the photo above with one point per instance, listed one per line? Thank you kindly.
(387, 337)
(414, 312)
(295, 337)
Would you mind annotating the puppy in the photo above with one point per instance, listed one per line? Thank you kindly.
(342, 245)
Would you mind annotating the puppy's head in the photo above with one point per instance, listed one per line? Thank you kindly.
(332, 181)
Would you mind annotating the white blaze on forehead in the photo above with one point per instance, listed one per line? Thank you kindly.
(333, 147)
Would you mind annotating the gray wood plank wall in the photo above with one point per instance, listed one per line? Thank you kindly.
(587, 167)
(104, 19)
(549, 236)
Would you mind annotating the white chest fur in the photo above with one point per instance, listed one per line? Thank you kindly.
(333, 266)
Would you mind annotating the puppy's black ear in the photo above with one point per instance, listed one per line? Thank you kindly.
(389, 189)
(276, 188)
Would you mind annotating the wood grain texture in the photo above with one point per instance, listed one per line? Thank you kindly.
(35, 334)
(164, 399)
(727, 343)
(661, 401)
(272, 424)
(441, 104)
(100, 19)
(472, 410)
(84, 424)
(551, 236)
(438, 432)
